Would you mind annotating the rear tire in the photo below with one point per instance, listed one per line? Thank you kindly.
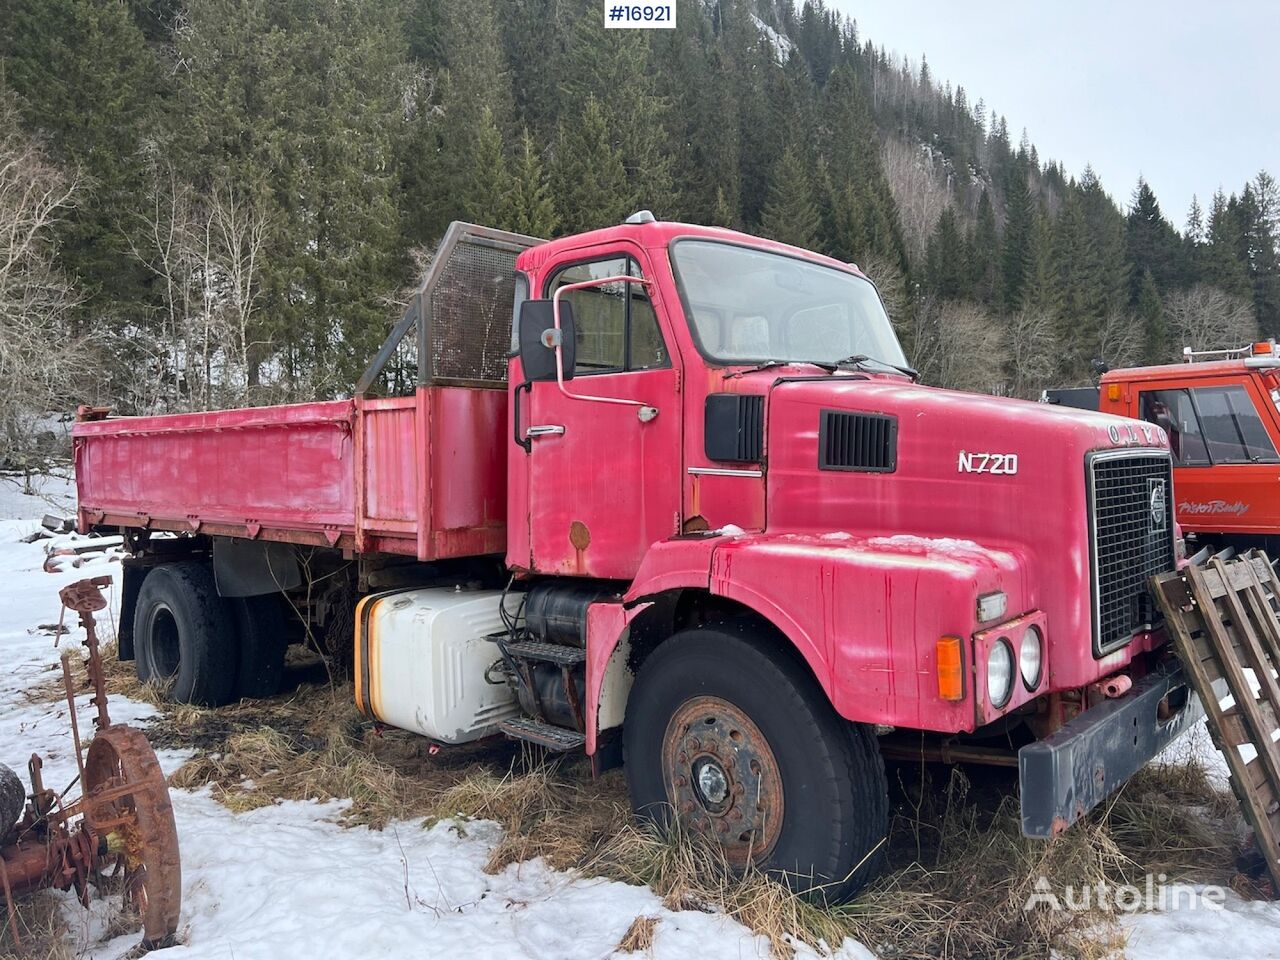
(260, 626)
(185, 636)
(738, 741)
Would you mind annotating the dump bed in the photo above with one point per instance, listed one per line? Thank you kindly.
(422, 476)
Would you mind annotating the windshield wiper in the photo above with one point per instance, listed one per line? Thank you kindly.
(769, 364)
(861, 360)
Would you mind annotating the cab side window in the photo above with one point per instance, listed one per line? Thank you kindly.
(1209, 425)
(1232, 428)
(1174, 412)
(617, 328)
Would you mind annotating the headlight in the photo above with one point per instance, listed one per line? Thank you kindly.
(1031, 657)
(1000, 672)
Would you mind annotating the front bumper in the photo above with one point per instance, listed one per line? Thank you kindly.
(1067, 774)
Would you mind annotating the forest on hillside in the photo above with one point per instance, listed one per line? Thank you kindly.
(224, 202)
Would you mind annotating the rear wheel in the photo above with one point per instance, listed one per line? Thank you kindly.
(738, 742)
(185, 636)
(260, 626)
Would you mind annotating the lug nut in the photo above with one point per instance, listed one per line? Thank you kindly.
(682, 781)
(692, 743)
(682, 757)
(735, 814)
(722, 827)
(686, 806)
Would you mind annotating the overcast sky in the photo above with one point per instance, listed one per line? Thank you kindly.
(1185, 94)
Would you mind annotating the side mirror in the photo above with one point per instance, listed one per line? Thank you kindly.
(537, 339)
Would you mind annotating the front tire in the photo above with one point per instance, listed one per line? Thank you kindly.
(185, 635)
(737, 740)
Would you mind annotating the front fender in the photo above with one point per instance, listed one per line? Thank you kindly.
(866, 613)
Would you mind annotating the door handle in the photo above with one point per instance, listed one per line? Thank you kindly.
(544, 430)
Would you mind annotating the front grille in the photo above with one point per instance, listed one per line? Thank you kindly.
(1131, 508)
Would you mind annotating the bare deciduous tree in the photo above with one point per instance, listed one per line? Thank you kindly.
(1032, 350)
(42, 362)
(1206, 318)
(206, 250)
(957, 345)
(919, 190)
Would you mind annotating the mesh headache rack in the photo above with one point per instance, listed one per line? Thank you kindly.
(461, 313)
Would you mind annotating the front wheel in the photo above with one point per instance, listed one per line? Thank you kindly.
(736, 740)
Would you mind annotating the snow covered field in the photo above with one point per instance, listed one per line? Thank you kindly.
(287, 881)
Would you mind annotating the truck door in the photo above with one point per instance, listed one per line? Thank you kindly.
(604, 478)
(1226, 468)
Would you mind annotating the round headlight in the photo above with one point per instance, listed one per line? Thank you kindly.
(1031, 657)
(1000, 673)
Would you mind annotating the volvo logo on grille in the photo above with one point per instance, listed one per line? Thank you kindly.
(1157, 499)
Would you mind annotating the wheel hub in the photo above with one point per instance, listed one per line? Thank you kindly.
(722, 779)
(712, 781)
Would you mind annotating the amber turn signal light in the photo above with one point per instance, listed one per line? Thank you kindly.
(950, 669)
(1113, 392)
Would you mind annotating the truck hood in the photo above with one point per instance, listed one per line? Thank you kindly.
(1008, 475)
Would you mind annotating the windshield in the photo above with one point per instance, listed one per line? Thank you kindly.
(751, 306)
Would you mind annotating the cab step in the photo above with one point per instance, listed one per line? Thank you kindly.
(543, 734)
(556, 653)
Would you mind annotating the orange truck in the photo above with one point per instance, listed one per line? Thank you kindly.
(1221, 412)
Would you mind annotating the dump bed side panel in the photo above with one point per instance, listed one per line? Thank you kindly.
(282, 473)
(420, 476)
(447, 502)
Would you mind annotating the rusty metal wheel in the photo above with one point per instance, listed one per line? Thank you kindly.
(722, 778)
(126, 802)
(729, 733)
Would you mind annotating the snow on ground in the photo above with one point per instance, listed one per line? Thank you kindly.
(288, 881)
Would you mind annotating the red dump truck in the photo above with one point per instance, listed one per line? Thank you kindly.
(670, 495)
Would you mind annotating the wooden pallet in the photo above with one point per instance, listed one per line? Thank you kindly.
(1225, 620)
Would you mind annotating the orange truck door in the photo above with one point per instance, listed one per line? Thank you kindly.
(1224, 438)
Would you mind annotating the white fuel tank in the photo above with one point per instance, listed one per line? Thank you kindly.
(421, 660)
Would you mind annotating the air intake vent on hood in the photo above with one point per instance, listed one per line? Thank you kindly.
(734, 427)
(867, 442)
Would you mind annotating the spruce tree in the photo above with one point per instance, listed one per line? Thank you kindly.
(1151, 243)
(985, 255)
(1224, 265)
(790, 215)
(1040, 291)
(89, 85)
(488, 189)
(1150, 313)
(590, 181)
(1261, 223)
(1015, 248)
(946, 260)
(533, 207)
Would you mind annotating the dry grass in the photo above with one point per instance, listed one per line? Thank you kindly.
(639, 936)
(960, 870)
(40, 927)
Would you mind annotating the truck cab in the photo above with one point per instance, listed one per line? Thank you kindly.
(1221, 412)
(671, 495)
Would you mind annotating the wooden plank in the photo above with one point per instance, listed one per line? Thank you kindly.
(1254, 783)
(1267, 710)
(1264, 613)
(1234, 673)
